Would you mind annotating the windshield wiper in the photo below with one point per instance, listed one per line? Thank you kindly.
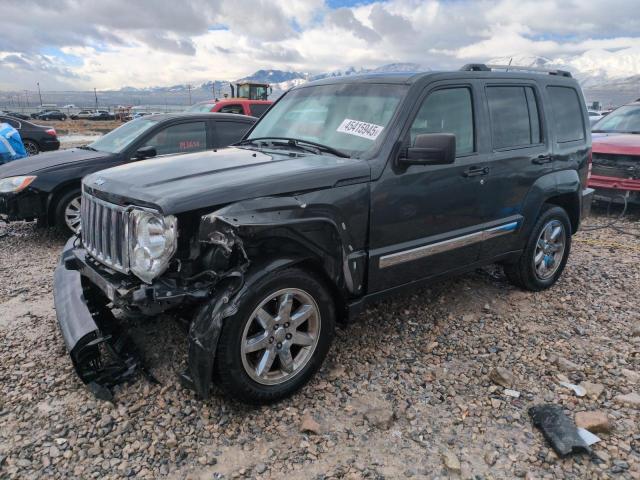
(295, 142)
(87, 147)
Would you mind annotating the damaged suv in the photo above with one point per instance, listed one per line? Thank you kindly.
(347, 190)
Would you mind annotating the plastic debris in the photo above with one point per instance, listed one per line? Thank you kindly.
(558, 429)
(577, 389)
(588, 437)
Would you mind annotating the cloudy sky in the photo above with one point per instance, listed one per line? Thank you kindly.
(81, 44)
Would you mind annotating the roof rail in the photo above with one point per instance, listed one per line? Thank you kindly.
(481, 67)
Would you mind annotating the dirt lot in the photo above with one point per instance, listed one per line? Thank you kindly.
(406, 392)
(84, 127)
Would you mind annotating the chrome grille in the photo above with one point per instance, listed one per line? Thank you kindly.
(104, 230)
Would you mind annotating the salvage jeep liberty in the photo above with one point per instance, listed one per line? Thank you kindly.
(346, 190)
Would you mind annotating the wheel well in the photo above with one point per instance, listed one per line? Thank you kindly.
(31, 140)
(55, 197)
(315, 268)
(571, 204)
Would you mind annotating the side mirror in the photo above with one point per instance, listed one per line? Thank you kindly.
(146, 152)
(430, 149)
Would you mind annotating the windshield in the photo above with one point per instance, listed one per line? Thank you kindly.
(346, 117)
(622, 120)
(201, 107)
(120, 138)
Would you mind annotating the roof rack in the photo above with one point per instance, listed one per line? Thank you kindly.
(481, 67)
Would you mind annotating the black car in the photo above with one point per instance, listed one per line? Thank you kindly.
(18, 115)
(348, 189)
(47, 187)
(49, 115)
(101, 115)
(36, 138)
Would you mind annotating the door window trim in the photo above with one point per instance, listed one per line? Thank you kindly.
(541, 116)
(406, 136)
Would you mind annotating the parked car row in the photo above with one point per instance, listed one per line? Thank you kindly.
(36, 138)
(346, 190)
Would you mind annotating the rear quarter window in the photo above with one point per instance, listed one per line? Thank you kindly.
(258, 109)
(515, 122)
(567, 114)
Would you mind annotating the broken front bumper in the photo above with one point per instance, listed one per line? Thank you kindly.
(100, 354)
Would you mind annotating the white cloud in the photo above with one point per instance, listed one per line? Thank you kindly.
(149, 42)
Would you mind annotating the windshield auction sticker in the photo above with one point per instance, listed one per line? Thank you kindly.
(360, 129)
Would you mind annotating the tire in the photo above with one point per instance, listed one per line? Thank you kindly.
(63, 209)
(237, 371)
(31, 147)
(541, 264)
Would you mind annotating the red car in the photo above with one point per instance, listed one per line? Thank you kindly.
(242, 106)
(616, 154)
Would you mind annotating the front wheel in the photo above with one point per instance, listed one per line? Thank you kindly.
(278, 338)
(68, 212)
(31, 147)
(545, 256)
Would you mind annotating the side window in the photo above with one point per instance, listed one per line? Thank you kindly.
(181, 138)
(258, 109)
(232, 109)
(515, 121)
(567, 114)
(228, 133)
(447, 111)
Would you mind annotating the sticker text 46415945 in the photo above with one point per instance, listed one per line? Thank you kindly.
(360, 129)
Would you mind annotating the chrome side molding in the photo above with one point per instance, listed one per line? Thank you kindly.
(446, 245)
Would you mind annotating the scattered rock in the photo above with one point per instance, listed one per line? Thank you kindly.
(635, 330)
(567, 365)
(451, 461)
(336, 372)
(501, 376)
(491, 457)
(309, 425)
(380, 417)
(511, 393)
(261, 468)
(632, 399)
(593, 390)
(595, 422)
(630, 375)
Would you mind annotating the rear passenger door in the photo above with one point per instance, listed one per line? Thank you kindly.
(178, 138)
(519, 153)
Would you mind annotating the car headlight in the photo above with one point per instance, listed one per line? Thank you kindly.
(153, 241)
(15, 184)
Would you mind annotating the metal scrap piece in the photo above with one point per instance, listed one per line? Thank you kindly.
(558, 429)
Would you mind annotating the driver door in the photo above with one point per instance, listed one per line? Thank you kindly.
(424, 216)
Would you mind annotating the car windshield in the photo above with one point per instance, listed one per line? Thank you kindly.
(622, 120)
(120, 138)
(346, 117)
(201, 107)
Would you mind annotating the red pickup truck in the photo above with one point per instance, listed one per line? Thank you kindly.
(616, 154)
(242, 106)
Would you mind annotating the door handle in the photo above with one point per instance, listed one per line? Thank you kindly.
(542, 159)
(475, 171)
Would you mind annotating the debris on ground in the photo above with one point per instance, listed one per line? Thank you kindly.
(561, 433)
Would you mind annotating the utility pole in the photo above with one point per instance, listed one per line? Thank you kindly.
(95, 94)
(26, 96)
(213, 89)
(189, 87)
(39, 93)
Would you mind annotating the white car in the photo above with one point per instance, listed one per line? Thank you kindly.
(594, 116)
(82, 114)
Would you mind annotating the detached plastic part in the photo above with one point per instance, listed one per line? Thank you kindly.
(558, 429)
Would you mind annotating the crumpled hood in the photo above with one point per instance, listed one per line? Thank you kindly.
(42, 161)
(182, 183)
(617, 143)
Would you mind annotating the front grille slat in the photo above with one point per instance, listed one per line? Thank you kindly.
(104, 232)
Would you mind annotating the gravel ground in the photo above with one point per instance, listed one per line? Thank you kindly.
(411, 390)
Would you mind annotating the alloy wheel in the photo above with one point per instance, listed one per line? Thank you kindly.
(72, 214)
(281, 336)
(549, 250)
(31, 148)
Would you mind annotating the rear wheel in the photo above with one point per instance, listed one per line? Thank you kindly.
(546, 253)
(278, 338)
(68, 212)
(31, 147)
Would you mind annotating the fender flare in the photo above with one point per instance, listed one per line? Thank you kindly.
(207, 325)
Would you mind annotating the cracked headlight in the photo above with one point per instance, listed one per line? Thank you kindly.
(153, 241)
(15, 184)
